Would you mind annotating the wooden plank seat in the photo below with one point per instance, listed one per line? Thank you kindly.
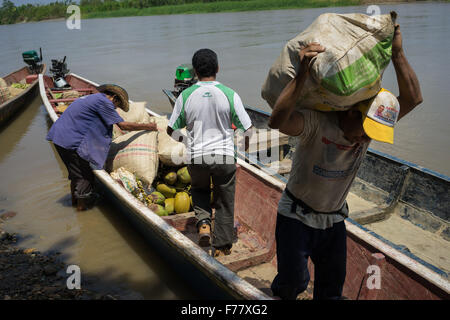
(62, 100)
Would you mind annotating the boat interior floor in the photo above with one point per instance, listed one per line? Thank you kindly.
(249, 248)
(426, 245)
(250, 258)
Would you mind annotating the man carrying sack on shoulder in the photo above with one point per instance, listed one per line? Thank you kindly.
(330, 149)
(208, 109)
(82, 136)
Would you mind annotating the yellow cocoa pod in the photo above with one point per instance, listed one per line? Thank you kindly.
(167, 191)
(182, 202)
(170, 205)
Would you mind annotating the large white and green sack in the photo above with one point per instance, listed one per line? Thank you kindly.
(358, 50)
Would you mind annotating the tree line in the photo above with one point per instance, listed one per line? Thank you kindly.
(10, 14)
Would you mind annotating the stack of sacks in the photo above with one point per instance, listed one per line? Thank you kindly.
(136, 151)
(358, 49)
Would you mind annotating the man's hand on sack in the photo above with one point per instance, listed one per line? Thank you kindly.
(307, 53)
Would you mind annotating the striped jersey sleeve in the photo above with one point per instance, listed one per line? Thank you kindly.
(239, 116)
(178, 118)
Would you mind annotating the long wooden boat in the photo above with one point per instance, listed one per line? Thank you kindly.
(249, 270)
(16, 103)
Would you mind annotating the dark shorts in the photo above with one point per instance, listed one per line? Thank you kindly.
(296, 242)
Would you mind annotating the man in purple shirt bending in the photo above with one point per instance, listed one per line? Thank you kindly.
(82, 136)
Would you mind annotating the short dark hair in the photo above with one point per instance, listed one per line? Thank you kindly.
(205, 63)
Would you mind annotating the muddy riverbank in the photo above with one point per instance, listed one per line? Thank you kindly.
(26, 273)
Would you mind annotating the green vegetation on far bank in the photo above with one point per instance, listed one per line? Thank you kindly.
(220, 6)
(10, 14)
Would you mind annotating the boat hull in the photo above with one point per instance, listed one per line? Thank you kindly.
(11, 107)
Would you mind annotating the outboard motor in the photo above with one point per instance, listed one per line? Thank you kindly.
(59, 71)
(184, 78)
(34, 61)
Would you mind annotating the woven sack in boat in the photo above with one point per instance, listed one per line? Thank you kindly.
(136, 113)
(70, 94)
(5, 95)
(358, 50)
(15, 91)
(170, 152)
(3, 83)
(136, 151)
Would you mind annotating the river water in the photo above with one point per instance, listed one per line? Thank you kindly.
(141, 54)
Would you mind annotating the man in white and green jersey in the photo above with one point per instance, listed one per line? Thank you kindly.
(208, 110)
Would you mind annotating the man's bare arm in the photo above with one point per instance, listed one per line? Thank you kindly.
(408, 84)
(284, 117)
(132, 126)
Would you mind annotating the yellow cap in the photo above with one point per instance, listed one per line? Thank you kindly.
(379, 115)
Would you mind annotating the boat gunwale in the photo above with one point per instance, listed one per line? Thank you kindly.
(12, 73)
